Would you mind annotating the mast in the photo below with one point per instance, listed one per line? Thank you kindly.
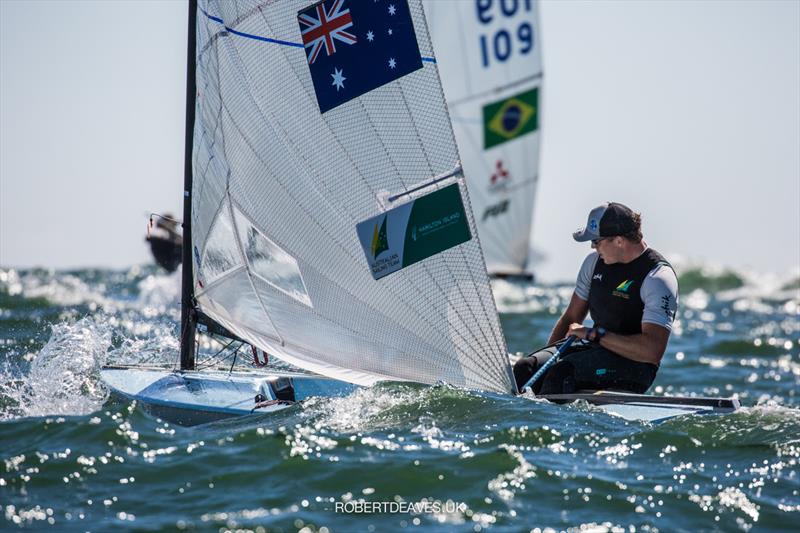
(188, 315)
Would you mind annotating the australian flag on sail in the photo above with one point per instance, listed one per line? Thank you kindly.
(355, 46)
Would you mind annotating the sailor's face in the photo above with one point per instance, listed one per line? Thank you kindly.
(607, 249)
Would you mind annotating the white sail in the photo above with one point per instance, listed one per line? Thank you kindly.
(280, 188)
(489, 58)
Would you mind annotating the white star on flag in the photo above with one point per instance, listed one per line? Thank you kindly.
(390, 31)
(392, 62)
(391, 9)
(370, 36)
(338, 79)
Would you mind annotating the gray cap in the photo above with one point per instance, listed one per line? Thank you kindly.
(607, 220)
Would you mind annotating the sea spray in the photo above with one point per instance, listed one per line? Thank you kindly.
(63, 378)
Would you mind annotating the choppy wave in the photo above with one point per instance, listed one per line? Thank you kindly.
(144, 289)
(72, 460)
(63, 378)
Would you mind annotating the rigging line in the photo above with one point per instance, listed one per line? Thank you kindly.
(214, 361)
(249, 35)
(235, 354)
(209, 361)
(269, 39)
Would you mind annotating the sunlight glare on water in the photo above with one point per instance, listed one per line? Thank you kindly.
(457, 460)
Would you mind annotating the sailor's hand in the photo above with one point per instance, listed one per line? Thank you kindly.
(578, 330)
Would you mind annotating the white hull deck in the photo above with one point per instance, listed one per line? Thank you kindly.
(643, 407)
(198, 397)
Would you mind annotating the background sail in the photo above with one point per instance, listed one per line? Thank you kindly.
(489, 58)
(279, 189)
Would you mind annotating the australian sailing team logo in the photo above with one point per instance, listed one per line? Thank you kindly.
(380, 241)
(511, 118)
(622, 289)
(419, 229)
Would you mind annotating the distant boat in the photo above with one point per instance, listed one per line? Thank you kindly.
(489, 56)
(326, 217)
(166, 242)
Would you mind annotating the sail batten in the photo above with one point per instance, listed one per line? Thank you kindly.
(281, 186)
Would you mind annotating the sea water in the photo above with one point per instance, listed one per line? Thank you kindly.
(396, 457)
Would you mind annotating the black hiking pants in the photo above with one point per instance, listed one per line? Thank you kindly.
(585, 366)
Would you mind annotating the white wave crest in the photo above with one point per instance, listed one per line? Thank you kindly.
(63, 378)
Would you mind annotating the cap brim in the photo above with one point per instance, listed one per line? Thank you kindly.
(582, 235)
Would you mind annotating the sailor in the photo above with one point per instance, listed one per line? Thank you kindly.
(631, 292)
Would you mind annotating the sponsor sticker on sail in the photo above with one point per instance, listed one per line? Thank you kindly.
(414, 231)
(510, 118)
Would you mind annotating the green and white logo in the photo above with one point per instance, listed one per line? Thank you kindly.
(414, 231)
(380, 243)
(622, 289)
(625, 285)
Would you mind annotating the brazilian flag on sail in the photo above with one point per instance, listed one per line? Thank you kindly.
(510, 118)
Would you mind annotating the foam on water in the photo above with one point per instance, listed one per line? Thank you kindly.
(63, 378)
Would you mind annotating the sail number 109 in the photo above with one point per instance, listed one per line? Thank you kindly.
(504, 43)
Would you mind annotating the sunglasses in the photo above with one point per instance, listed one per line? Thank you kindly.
(595, 242)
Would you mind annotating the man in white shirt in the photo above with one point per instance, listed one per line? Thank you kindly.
(631, 292)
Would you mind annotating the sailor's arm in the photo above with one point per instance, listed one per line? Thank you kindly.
(578, 306)
(645, 347)
(576, 312)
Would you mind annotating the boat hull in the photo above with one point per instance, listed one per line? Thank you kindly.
(199, 397)
(642, 407)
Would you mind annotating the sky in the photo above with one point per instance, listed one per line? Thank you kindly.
(688, 112)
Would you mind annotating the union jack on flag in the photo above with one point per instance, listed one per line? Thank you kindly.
(320, 28)
(367, 45)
